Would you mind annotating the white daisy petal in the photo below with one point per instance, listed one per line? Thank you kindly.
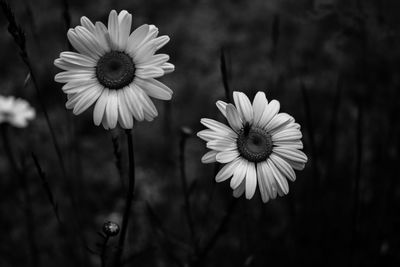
(269, 112)
(218, 127)
(72, 100)
(125, 23)
(125, 116)
(243, 106)
(136, 38)
(78, 59)
(64, 65)
(290, 134)
(260, 102)
(133, 102)
(251, 180)
(296, 165)
(155, 60)
(154, 88)
(112, 109)
(238, 192)
(209, 157)
(78, 86)
(278, 121)
(89, 40)
(149, 72)
(283, 166)
(233, 118)
(74, 75)
(279, 178)
(99, 108)
(113, 30)
(290, 144)
(221, 145)
(151, 34)
(269, 180)
(290, 154)
(262, 183)
(102, 35)
(221, 105)
(88, 98)
(208, 135)
(80, 45)
(227, 156)
(87, 24)
(144, 53)
(239, 174)
(161, 41)
(147, 104)
(227, 171)
(168, 67)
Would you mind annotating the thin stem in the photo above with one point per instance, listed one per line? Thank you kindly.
(128, 199)
(118, 156)
(224, 73)
(188, 213)
(47, 189)
(30, 224)
(104, 251)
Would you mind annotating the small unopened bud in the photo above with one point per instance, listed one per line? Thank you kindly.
(110, 228)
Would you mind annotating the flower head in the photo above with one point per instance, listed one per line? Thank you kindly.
(15, 111)
(115, 70)
(260, 146)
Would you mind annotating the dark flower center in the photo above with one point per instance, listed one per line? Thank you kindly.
(254, 144)
(115, 70)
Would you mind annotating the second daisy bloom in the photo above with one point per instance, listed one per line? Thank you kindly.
(114, 69)
(260, 146)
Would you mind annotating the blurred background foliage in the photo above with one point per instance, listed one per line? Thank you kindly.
(333, 65)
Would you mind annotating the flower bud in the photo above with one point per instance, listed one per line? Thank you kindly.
(110, 228)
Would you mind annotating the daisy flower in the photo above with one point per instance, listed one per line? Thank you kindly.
(259, 146)
(15, 111)
(114, 69)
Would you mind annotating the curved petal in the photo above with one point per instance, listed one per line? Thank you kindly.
(243, 106)
(283, 166)
(218, 127)
(136, 38)
(125, 116)
(251, 180)
(221, 105)
(113, 29)
(209, 157)
(226, 171)
(260, 102)
(154, 88)
(100, 107)
(279, 178)
(133, 102)
(233, 118)
(227, 156)
(125, 23)
(269, 112)
(112, 109)
(88, 98)
(239, 173)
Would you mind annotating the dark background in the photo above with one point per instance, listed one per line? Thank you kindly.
(333, 65)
